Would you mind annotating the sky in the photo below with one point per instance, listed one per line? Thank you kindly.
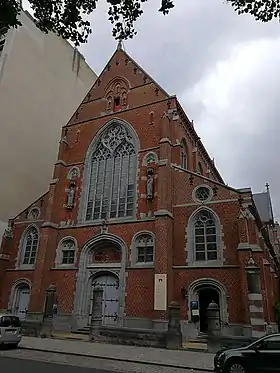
(224, 69)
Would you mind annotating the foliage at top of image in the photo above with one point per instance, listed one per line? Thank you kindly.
(67, 18)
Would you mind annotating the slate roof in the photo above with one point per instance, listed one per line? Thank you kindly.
(264, 206)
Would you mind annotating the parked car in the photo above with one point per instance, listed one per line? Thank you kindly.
(261, 356)
(10, 330)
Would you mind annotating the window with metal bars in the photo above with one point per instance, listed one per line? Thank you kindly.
(112, 183)
(30, 245)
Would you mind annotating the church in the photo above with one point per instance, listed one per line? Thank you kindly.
(137, 207)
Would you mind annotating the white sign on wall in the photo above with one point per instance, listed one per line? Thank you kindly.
(160, 295)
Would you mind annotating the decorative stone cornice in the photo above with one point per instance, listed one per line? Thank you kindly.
(48, 224)
(163, 213)
(244, 246)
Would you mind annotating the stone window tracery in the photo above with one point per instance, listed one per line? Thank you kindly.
(204, 238)
(143, 249)
(34, 214)
(116, 94)
(202, 193)
(29, 247)
(112, 181)
(66, 252)
(184, 156)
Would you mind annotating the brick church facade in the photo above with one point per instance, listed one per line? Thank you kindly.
(137, 207)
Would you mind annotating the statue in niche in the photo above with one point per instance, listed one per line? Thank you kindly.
(71, 196)
(124, 98)
(109, 103)
(150, 184)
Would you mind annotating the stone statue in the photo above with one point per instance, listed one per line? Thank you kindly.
(150, 184)
(71, 196)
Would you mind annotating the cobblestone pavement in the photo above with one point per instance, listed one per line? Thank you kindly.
(179, 359)
(57, 364)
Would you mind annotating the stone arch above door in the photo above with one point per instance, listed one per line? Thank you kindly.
(20, 297)
(89, 268)
(200, 283)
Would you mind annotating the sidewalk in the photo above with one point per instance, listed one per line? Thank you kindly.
(143, 355)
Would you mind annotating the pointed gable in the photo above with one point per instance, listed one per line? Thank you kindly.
(118, 81)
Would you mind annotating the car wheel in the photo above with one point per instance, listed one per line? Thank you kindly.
(14, 345)
(236, 368)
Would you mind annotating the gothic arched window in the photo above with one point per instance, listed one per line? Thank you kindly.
(143, 249)
(66, 252)
(199, 168)
(204, 237)
(112, 182)
(29, 247)
(184, 155)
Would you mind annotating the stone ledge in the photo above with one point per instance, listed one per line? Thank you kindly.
(132, 337)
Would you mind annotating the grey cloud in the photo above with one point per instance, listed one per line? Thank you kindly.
(177, 49)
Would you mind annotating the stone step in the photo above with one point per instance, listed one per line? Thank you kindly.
(196, 346)
(82, 331)
(198, 340)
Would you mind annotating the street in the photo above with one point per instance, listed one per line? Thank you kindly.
(25, 361)
(14, 365)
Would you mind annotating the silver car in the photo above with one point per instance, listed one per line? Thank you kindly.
(10, 330)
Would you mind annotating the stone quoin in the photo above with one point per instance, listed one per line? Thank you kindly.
(138, 212)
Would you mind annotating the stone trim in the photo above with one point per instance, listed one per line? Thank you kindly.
(59, 253)
(193, 204)
(214, 284)
(190, 240)
(48, 224)
(145, 159)
(162, 162)
(87, 164)
(162, 213)
(60, 161)
(134, 263)
(248, 247)
(207, 265)
(14, 293)
(21, 249)
(202, 186)
(252, 296)
(87, 271)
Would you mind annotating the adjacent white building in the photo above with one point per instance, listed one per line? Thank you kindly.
(43, 79)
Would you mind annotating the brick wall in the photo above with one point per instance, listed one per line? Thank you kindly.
(148, 109)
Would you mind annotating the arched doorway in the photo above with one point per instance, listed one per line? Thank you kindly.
(21, 297)
(102, 261)
(109, 283)
(206, 290)
(206, 295)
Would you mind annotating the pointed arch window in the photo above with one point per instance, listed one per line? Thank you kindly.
(143, 249)
(199, 168)
(184, 156)
(29, 247)
(112, 183)
(204, 238)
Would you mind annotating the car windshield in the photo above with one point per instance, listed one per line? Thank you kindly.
(13, 321)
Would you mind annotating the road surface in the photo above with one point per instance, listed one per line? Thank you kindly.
(27, 361)
(14, 365)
